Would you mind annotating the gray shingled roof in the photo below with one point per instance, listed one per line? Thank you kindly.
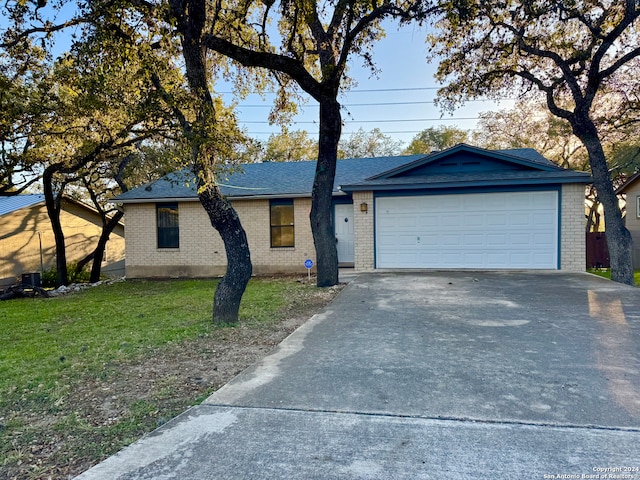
(286, 179)
(529, 154)
(270, 178)
(16, 202)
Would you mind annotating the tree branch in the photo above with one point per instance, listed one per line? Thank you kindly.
(251, 58)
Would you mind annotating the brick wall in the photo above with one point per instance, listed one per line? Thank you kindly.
(363, 231)
(573, 225)
(202, 253)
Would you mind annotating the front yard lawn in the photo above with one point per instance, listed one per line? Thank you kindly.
(83, 375)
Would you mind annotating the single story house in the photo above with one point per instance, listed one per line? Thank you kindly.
(631, 191)
(27, 243)
(464, 207)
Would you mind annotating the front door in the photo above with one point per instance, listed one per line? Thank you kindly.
(343, 224)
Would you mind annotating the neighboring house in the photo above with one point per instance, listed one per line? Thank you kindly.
(631, 190)
(27, 243)
(464, 207)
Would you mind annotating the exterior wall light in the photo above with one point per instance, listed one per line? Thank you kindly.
(364, 208)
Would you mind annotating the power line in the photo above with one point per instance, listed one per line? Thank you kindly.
(264, 122)
(372, 104)
(371, 90)
(385, 132)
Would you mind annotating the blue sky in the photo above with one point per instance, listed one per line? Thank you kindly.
(405, 84)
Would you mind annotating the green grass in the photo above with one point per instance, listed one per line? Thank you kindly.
(43, 338)
(606, 273)
(49, 347)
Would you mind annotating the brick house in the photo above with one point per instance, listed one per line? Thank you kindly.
(464, 207)
(27, 243)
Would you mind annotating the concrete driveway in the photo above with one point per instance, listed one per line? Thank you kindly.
(426, 375)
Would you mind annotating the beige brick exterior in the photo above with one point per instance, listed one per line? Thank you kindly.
(201, 252)
(22, 231)
(572, 229)
(363, 231)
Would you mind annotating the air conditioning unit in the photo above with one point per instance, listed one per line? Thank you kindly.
(31, 280)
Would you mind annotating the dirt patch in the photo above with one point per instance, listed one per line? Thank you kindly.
(95, 417)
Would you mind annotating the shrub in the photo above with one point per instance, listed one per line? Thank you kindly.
(75, 274)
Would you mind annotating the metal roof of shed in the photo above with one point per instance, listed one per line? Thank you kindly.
(16, 202)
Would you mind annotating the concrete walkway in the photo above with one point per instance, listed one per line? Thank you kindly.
(425, 375)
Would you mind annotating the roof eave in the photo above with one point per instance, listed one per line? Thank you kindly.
(626, 185)
(335, 193)
(462, 184)
(153, 200)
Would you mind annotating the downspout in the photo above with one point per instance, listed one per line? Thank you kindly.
(41, 261)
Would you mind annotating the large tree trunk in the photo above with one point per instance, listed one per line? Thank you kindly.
(619, 239)
(107, 229)
(223, 217)
(53, 204)
(191, 18)
(322, 193)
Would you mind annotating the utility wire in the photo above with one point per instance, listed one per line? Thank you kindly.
(264, 122)
(372, 90)
(373, 104)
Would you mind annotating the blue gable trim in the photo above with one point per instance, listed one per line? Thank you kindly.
(464, 158)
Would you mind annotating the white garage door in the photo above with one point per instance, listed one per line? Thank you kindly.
(509, 230)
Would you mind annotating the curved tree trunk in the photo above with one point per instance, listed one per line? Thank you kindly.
(223, 217)
(107, 229)
(53, 204)
(321, 196)
(619, 239)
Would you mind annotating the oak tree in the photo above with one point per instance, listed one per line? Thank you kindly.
(576, 54)
(436, 139)
(310, 49)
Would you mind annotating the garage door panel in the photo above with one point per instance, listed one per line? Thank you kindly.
(496, 220)
(473, 240)
(496, 239)
(474, 220)
(429, 240)
(520, 240)
(452, 220)
(519, 220)
(490, 230)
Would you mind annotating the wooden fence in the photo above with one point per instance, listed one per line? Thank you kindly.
(597, 251)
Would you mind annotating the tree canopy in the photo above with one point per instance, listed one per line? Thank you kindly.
(436, 139)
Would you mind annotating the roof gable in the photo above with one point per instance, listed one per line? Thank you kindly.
(628, 184)
(467, 159)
